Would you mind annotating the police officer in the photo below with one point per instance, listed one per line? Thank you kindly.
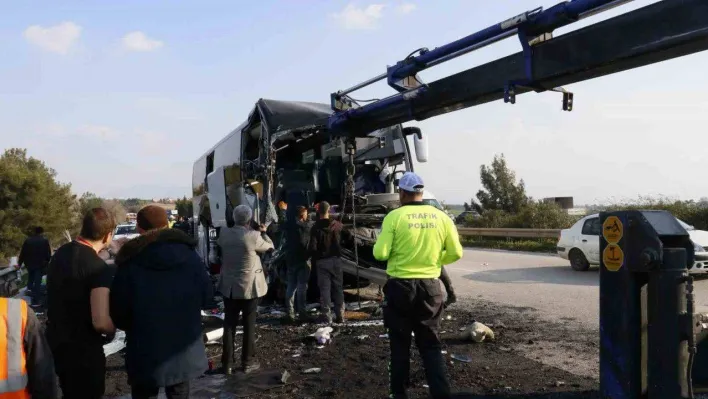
(416, 240)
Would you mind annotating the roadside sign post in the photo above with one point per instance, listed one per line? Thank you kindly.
(646, 306)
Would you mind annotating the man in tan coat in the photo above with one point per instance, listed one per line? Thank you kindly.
(242, 283)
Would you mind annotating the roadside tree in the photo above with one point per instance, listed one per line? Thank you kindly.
(500, 189)
(30, 196)
(184, 207)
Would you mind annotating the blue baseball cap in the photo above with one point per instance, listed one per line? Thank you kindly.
(411, 182)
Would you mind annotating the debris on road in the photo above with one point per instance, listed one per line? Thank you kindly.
(314, 370)
(323, 335)
(461, 358)
(477, 332)
(364, 305)
(355, 359)
(116, 345)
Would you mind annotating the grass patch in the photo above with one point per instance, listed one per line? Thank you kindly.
(524, 245)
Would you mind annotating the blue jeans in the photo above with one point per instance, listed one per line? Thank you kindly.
(296, 293)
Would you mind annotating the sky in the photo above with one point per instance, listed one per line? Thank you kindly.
(120, 98)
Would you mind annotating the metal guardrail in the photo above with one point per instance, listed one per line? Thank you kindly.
(511, 233)
(378, 276)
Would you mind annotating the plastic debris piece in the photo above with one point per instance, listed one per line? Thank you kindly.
(426, 386)
(385, 336)
(116, 345)
(314, 370)
(362, 337)
(320, 347)
(449, 317)
(323, 335)
(285, 377)
(296, 355)
(461, 358)
(443, 352)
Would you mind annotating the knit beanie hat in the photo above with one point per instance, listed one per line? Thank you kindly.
(152, 217)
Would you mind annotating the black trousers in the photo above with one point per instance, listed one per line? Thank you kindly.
(81, 371)
(34, 284)
(415, 305)
(232, 308)
(177, 391)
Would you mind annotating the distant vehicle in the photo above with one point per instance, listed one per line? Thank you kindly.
(580, 244)
(128, 231)
(460, 219)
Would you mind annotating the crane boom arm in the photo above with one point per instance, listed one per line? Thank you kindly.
(655, 33)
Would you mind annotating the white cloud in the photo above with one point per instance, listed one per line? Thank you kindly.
(353, 17)
(138, 41)
(406, 8)
(57, 39)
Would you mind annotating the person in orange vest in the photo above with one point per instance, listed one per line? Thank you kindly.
(26, 363)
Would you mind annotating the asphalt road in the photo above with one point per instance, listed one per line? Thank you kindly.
(559, 305)
(543, 282)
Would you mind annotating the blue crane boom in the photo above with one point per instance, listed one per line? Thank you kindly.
(658, 32)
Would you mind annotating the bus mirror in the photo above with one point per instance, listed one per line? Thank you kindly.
(421, 147)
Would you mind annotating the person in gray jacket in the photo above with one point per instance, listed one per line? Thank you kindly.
(242, 282)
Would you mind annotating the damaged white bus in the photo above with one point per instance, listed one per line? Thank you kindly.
(283, 152)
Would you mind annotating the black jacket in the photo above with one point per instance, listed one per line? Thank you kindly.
(157, 295)
(35, 253)
(298, 240)
(325, 239)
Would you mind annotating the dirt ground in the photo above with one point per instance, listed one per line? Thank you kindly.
(520, 363)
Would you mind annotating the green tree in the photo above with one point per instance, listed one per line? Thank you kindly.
(501, 191)
(133, 204)
(30, 196)
(184, 207)
(88, 201)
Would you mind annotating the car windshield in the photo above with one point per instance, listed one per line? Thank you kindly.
(122, 230)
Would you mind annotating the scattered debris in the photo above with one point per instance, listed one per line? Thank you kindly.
(461, 358)
(560, 384)
(362, 337)
(364, 305)
(366, 323)
(477, 332)
(323, 335)
(314, 370)
(214, 335)
(116, 345)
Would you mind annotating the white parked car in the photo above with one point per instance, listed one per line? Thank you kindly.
(580, 244)
(127, 231)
